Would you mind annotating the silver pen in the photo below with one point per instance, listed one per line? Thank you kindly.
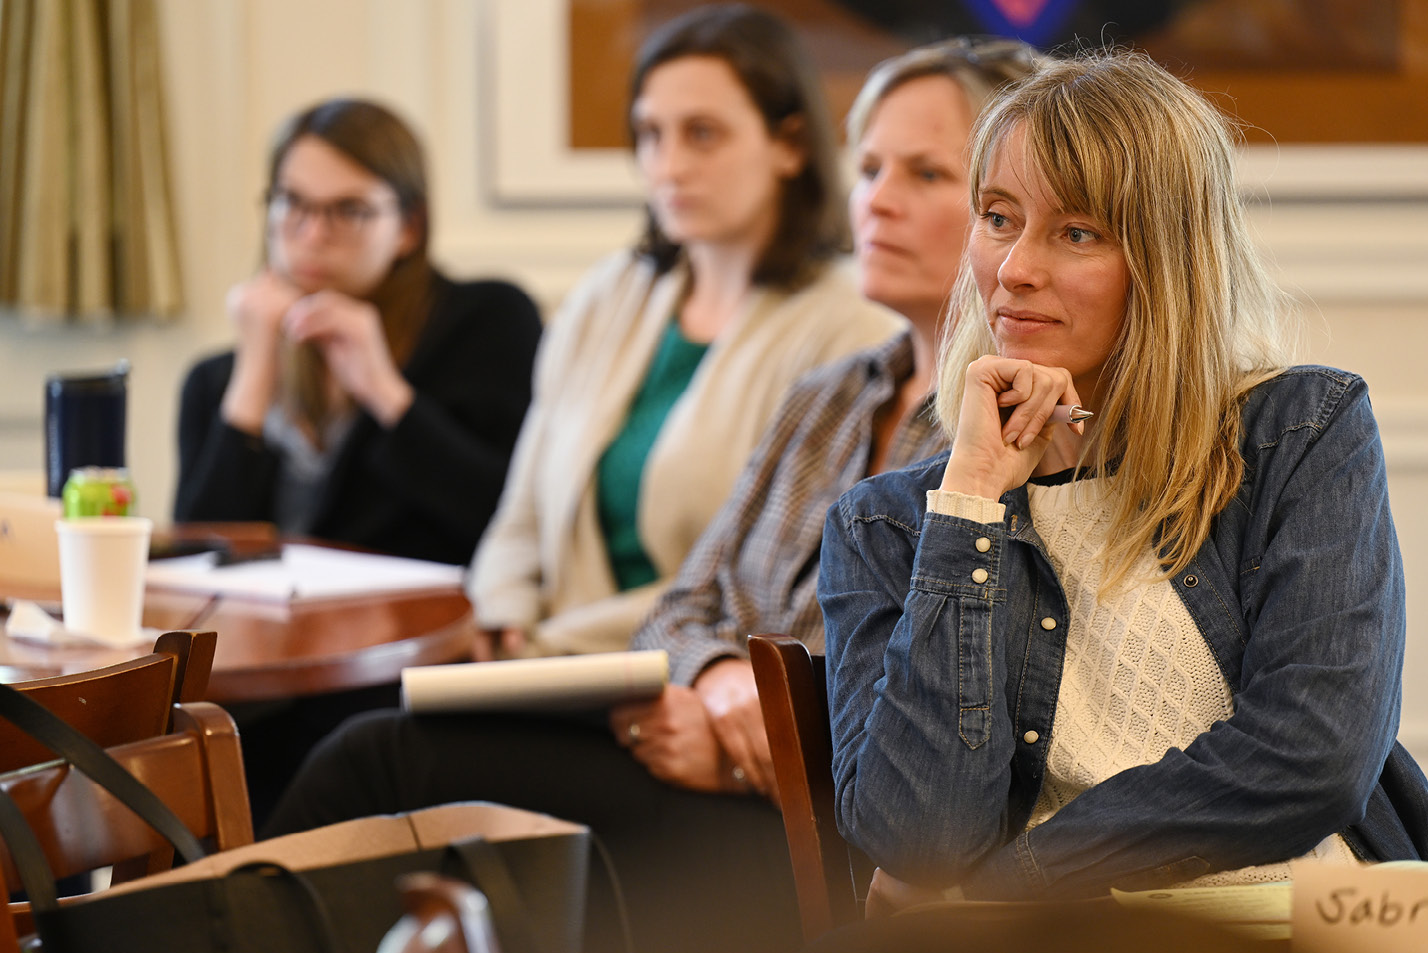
(1070, 414)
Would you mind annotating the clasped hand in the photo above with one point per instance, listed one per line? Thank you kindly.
(1002, 432)
(709, 737)
(267, 311)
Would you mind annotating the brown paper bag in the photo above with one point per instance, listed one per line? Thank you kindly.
(333, 887)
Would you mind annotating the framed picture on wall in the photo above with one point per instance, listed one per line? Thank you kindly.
(1330, 93)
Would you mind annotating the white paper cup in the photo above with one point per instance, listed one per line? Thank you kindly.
(102, 563)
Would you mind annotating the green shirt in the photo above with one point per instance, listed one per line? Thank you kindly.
(617, 478)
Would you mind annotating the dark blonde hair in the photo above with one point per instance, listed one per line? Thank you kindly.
(1122, 141)
(979, 65)
(776, 70)
(376, 139)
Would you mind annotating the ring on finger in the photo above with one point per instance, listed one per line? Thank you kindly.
(633, 732)
(739, 775)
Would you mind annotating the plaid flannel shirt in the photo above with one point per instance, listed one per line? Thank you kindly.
(754, 569)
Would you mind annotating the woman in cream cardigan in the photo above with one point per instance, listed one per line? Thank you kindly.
(743, 182)
(658, 375)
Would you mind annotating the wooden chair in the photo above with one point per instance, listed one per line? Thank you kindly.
(829, 875)
(197, 771)
(121, 703)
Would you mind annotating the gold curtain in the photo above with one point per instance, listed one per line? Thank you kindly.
(86, 220)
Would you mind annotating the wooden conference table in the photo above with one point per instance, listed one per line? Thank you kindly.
(269, 650)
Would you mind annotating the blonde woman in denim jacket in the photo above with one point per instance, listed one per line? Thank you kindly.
(1159, 646)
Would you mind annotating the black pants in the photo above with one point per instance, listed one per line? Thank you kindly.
(278, 735)
(698, 871)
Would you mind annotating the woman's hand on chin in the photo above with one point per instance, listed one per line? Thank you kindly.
(349, 333)
(1002, 431)
(256, 307)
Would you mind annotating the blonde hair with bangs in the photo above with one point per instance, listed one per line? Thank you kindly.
(1119, 139)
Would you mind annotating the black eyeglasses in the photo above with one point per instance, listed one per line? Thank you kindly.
(344, 218)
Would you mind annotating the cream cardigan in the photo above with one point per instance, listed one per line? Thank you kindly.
(542, 564)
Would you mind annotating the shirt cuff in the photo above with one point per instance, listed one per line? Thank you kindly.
(950, 503)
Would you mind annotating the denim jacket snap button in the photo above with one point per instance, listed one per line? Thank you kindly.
(983, 544)
(1048, 623)
(1030, 737)
(979, 575)
(1192, 580)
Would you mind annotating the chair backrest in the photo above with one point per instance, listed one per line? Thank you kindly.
(197, 771)
(121, 703)
(793, 695)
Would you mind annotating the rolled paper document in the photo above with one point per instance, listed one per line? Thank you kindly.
(555, 682)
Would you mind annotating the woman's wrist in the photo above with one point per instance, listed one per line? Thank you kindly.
(963, 478)
(972, 488)
(246, 401)
(392, 403)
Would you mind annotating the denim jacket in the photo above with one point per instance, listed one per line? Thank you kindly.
(942, 690)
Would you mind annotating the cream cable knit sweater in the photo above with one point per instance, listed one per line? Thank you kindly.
(1137, 678)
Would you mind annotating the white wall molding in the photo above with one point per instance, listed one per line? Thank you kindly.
(1347, 249)
(1320, 172)
(530, 113)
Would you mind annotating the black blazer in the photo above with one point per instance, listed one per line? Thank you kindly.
(427, 487)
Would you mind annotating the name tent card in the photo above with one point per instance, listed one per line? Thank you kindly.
(1381, 907)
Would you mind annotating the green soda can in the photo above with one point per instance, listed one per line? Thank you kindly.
(98, 492)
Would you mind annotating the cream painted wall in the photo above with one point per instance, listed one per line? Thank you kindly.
(237, 67)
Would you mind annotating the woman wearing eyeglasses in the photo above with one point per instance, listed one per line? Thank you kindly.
(368, 399)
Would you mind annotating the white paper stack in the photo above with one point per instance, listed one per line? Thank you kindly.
(303, 572)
